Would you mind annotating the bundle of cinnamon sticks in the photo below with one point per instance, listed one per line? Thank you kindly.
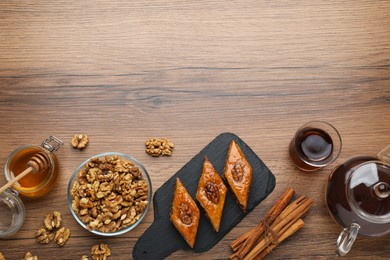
(281, 221)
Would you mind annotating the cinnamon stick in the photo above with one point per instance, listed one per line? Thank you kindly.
(286, 219)
(290, 208)
(242, 245)
(297, 225)
(298, 212)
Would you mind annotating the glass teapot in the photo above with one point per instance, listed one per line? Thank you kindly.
(358, 198)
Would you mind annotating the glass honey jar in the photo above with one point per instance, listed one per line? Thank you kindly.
(31, 186)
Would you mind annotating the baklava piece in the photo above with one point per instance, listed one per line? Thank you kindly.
(238, 174)
(211, 194)
(185, 214)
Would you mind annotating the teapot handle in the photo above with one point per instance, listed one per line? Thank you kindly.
(346, 239)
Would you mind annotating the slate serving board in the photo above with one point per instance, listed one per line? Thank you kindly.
(161, 238)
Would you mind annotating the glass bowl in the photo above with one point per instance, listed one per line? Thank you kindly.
(102, 156)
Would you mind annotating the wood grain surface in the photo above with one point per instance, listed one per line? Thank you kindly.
(126, 71)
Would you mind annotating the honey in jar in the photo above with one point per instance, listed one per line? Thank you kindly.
(32, 185)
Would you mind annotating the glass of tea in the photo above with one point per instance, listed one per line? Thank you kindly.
(315, 144)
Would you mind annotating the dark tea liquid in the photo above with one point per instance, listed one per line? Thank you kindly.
(340, 208)
(365, 197)
(311, 147)
(315, 145)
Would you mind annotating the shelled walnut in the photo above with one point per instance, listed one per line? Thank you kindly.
(79, 141)
(185, 214)
(2, 256)
(53, 220)
(212, 192)
(100, 252)
(238, 171)
(44, 236)
(109, 194)
(29, 256)
(62, 235)
(84, 257)
(159, 146)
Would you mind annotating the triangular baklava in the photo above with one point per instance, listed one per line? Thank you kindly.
(211, 194)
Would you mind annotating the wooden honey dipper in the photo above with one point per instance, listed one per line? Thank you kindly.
(37, 163)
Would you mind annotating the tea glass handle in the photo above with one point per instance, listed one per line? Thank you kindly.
(346, 239)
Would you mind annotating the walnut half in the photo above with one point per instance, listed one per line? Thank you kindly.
(185, 214)
(62, 235)
(212, 192)
(43, 236)
(100, 252)
(53, 220)
(79, 141)
(159, 146)
(2, 256)
(29, 256)
(238, 171)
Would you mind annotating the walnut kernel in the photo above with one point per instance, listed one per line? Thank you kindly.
(212, 192)
(29, 256)
(84, 257)
(159, 146)
(185, 214)
(62, 235)
(43, 236)
(100, 252)
(2, 256)
(79, 141)
(238, 171)
(53, 220)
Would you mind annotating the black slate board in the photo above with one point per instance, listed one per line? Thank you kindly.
(161, 238)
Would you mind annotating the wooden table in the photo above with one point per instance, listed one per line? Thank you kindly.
(126, 71)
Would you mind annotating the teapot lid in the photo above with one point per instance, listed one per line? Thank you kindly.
(369, 191)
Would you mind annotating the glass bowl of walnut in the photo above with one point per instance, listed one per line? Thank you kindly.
(109, 194)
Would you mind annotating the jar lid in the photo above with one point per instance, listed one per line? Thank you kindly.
(12, 213)
(369, 191)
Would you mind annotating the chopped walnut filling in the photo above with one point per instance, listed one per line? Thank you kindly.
(109, 194)
(185, 214)
(212, 192)
(238, 171)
